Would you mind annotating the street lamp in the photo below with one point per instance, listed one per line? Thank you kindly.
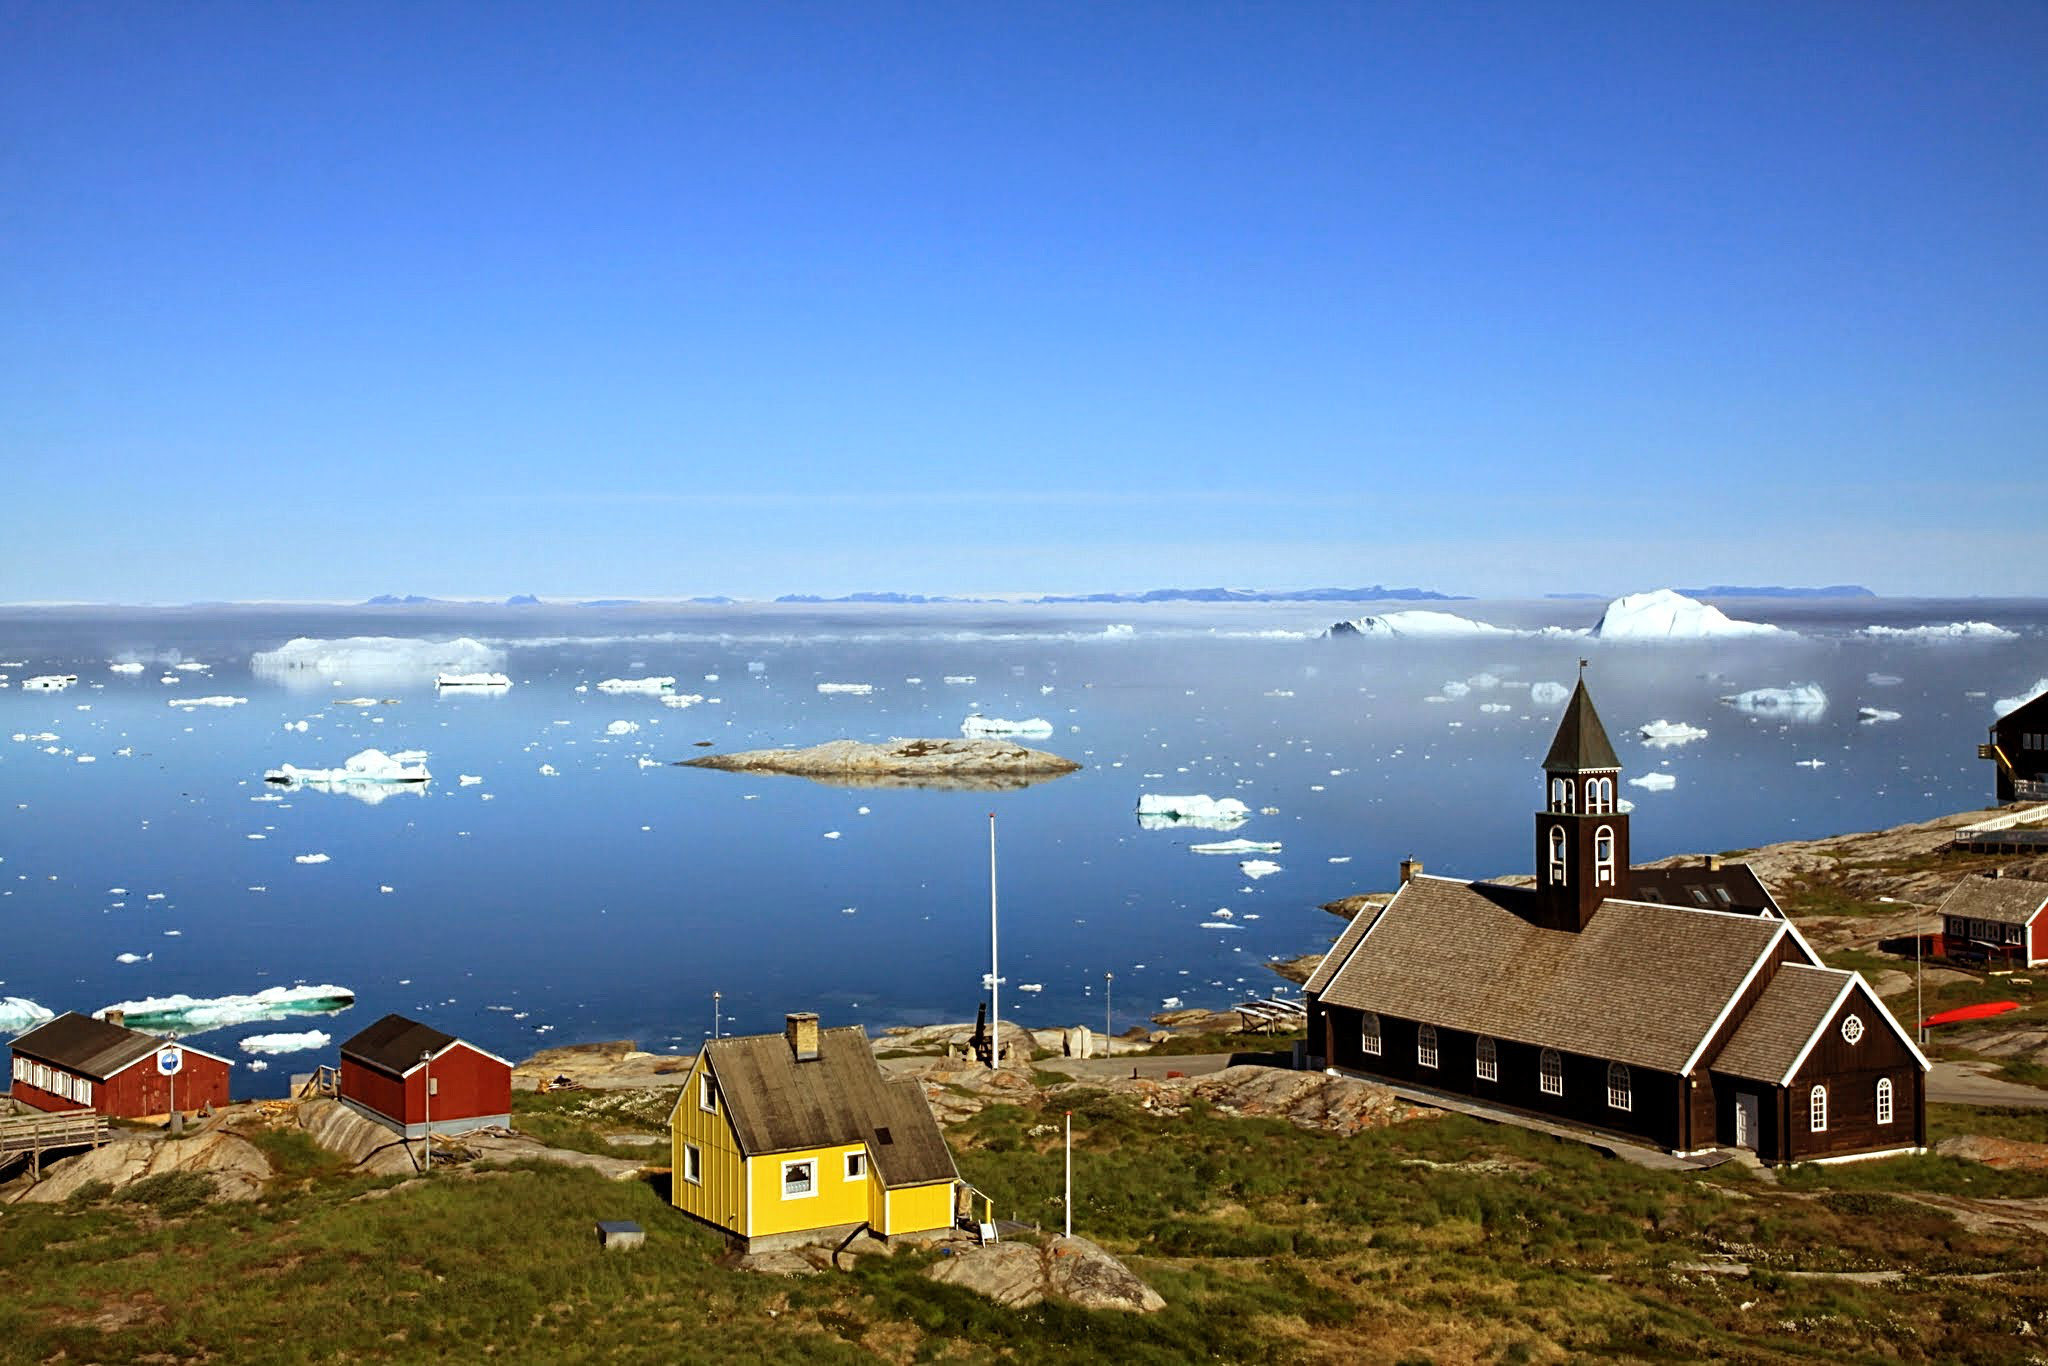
(716, 998)
(427, 1126)
(1107, 979)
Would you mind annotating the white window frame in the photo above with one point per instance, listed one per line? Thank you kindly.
(857, 1166)
(1599, 796)
(707, 1093)
(1817, 1109)
(1603, 864)
(1558, 858)
(1485, 1058)
(810, 1162)
(1852, 1029)
(1621, 1093)
(1884, 1100)
(1372, 1041)
(1561, 796)
(1426, 1051)
(1550, 1072)
(693, 1164)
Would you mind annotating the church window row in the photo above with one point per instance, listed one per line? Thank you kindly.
(1985, 931)
(2033, 740)
(1486, 1063)
(1599, 796)
(54, 1080)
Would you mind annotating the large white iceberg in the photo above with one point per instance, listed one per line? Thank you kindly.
(369, 776)
(1548, 694)
(1418, 623)
(1238, 846)
(1201, 812)
(1662, 734)
(190, 1013)
(2007, 704)
(308, 662)
(978, 725)
(1800, 702)
(304, 1041)
(1955, 630)
(18, 1013)
(1666, 615)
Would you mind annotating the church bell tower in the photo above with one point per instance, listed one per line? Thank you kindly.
(1581, 830)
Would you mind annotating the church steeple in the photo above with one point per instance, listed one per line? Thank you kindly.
(1582, 829)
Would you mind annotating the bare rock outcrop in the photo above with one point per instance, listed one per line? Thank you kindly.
(1021, 1274)
(618, 1064)
(1307, 1100)
(978, 765)
(2009, 1154)
(236, 1166)
(377, 1150)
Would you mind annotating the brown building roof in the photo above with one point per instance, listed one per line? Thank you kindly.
(1641, 984)
(91, 1048)
(394, 1044)
(1774, 1034)
(2002, 900)
(1581, 741)
(1731, 887)
(1339, 951)
(778, 1104)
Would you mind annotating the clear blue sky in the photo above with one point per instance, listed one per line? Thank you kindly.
(321, 301)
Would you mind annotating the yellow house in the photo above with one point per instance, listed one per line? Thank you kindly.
(787, 1138)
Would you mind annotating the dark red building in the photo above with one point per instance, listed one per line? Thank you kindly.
(1680, 1017)
(2019, 746)
(1995, 921)
(406, 1076)
(76, 1062)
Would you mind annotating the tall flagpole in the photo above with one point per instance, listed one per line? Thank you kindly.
(995, 981)
(1068, 1202)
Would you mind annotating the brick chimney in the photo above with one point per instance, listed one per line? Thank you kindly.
(1410, 867)
(116, 1017)
(801, 1028)
(1711, 862)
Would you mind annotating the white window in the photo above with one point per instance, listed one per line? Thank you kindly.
(1884, 1100)
(1561, 795)
(693, 1164)
(1369, 1034)
(1550, 1073)
(1599, 796)
(84, 1092)
(1557, 855)
(1486, 1061)
(1817, 1109)
(1603, 856)
(1852, 1028)
(1619, 1094)
(799, 1179)
(42, 1076)
(856, 1166)
(20, 1068)
(707, 1094)
(2015, 934)
(1425, 1046)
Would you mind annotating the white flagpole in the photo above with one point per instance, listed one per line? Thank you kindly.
(1068, 1203)
(995, 981)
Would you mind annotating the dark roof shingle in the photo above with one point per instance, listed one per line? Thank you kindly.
(394, 1044)
(91, 1048)
(1581, 741)
(2003, 900)
(1774, 1033)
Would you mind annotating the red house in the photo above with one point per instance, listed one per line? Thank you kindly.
(406, 1076)
(75, 1061)
(1996, 921)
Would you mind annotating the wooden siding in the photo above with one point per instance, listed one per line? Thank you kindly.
(1712, 1121)
(1571, 906)
(140, 1090)
(1851, 1073)
(467, 1085)
(919, 1209)
(720, 1198)
(833, 1203)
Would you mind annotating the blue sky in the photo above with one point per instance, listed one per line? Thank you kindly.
(317, 302)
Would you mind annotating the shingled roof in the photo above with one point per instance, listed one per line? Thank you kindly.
(89, 1047)
(1730, 887)
(1581, 741)
(2002, 900)
(394, 1044)
(778, 1104)
(1791, 1010)
(1640, 984)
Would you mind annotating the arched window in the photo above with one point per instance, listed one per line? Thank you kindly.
(1557, 855)
(1619, 1094)
(1561, 795)
(1550, 1073)
(1425, 1046)
(1817, 1109)
(1603, 856)
(1599, 796)
(1369, 1034)
(1884, 1100)
(1485, 1059)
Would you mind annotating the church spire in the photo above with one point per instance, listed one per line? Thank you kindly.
(1582, 830)
(1581, 744)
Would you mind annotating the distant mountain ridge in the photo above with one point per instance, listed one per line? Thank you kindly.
(1724, 590)
(1374, 593)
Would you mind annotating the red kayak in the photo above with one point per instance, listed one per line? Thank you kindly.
(1976, 1012)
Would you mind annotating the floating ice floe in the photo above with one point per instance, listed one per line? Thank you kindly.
(2003, 704)
(1256, 868)
(1201, 812)
(1662, 734)
(622, 728)
(550, 771)
(496, 681)
(303, 1042)
(192, 1013)
(1811, 763)
(125, 666)
(370, 767)
(1800, 702)
(1455, 688)
(205, 701)
(1666, 615)
(1494, 707)
(979, 725)
(18, 1013)
(468, 779)
(1031, 986)
(1955, 630)
(652, 685)
(1883, 680)
(299, 726)
(680, 700)
(1654, 782)
(309, 858)
(1868, 715)
(133, 957)
(961, 680)
(850, 689)
(1418, 623)
(1548, 694)
(48, 682)
(1238, 846)
(305, 661)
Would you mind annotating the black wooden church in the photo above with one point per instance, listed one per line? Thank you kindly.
(1682, 1012)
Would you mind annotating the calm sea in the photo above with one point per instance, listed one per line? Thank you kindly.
(586, 888)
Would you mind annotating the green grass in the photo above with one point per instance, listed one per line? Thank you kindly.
(584, 1120)
(1184, 1045)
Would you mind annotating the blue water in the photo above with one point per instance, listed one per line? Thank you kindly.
(610, 900)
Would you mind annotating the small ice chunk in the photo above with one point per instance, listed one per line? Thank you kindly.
(1256, 868)
(205, 701)
(302, 1042)
(1031, 986)
(1237, 846)
(680, 700)
(622, 728)
(1200, 811)
(309, 858)
(979, 725)
(495, 682)
(652, 685)
(1654, 782)
(1869, 714)
(550, 771)
(1811, 763)
(126, 666)
(1662, 734)
(831, 834)
(1800, 702)
(850, 689)
(468, 779)
(133, 957)
(1548, 694)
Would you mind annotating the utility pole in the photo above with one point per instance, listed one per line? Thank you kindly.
(1067, 1204)
(716, 998)
(1919, 1010)
(427, 1128)
(1108, 985)
(995, 981)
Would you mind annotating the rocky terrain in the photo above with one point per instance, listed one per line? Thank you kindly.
(979, 765)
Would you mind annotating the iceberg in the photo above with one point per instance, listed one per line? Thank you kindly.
(1955, 630)
(1665, 615)
(680, 700)
(1200, 812)
(850, 689)
(48, 682)
(309, 858)
(1438, 625)
(1237, 847)
(125, 666)
(309, 662)
(1869, 714)
(484, 680)
(2003, 704)
(303, 1042)
(1548, 694)
(1662, 734)
(622, 728)
(18, 1013)
(192, 1013)
(205, 701)
(369, 766)
(1800, 702)
(652, 686)
(1256, 868)
(979, 725)
(1654, 782)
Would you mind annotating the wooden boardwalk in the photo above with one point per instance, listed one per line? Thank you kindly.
(30, 1136)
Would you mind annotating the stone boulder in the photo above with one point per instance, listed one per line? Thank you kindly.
(237, 1167)
(1021, 1274)
(2009, 1154)
(1307, 1100)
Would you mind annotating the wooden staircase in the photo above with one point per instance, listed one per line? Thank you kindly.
(30, 1136)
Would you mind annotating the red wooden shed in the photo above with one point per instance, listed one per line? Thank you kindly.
(75, 1061)
(406, 1075)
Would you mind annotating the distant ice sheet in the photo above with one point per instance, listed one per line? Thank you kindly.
(1666, 615)
(182, 1012)
(1955, 630)
(310, 662)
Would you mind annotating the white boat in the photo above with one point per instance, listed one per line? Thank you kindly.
(471, 681)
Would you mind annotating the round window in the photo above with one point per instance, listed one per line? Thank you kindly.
(1852, 1028)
